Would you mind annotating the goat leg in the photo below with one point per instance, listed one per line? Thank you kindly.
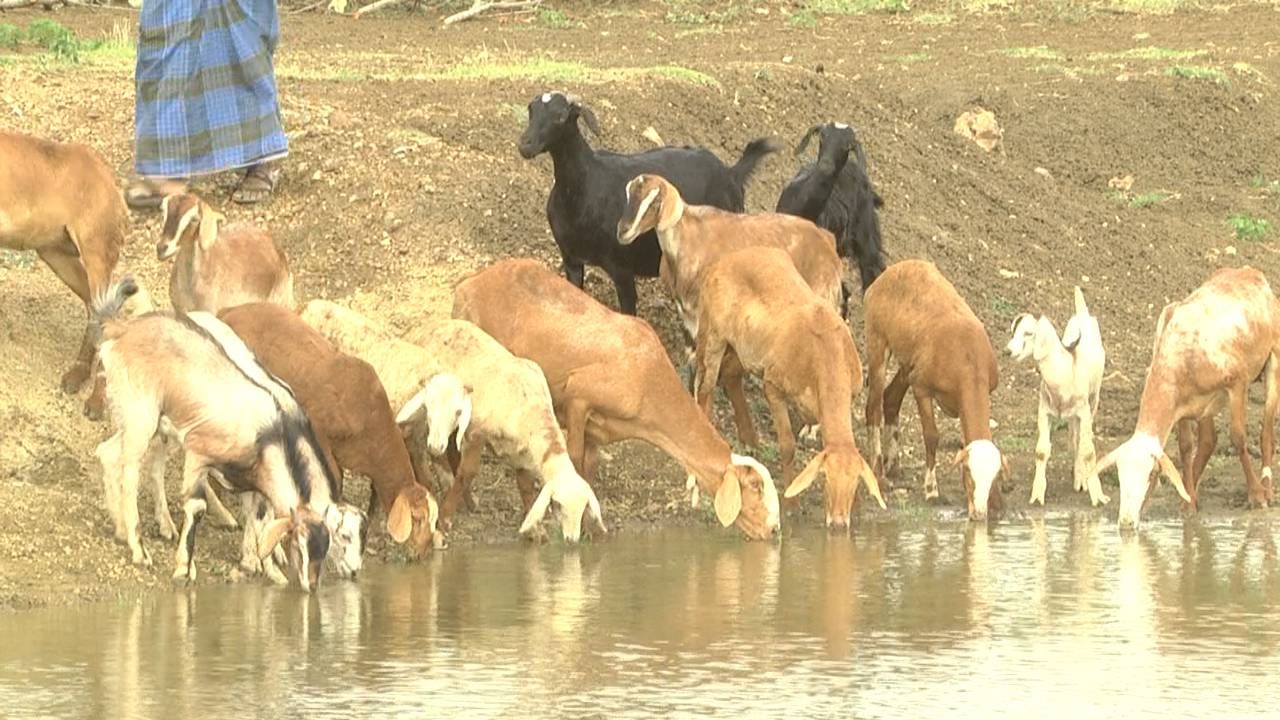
(777, 400)
(1269, 424)
(731, 375)
(1238, 397)
(1044, 447)
(929, 428)
(1206, 441)
(157, 455)
(1087, 459)
(893, 398)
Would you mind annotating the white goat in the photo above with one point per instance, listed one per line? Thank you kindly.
(1070, 385)
(467, 386)
(237, 424)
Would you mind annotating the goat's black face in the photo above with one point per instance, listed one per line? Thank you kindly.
(836, 141)
(549, 115)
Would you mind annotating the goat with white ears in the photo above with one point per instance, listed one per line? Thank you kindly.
(1070, 385)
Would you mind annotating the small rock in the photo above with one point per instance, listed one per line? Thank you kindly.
(787, 59)
(1229, 250)
(980, 126)
(1042, 172)
(1123, 184)
(1008, 274)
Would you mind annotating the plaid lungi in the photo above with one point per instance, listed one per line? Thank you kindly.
(206, 90)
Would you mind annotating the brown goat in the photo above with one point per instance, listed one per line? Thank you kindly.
(1208, 348)
(61, 200)
(219, 266)
(348, 408)
(611, 380)
(914, 314)
(755, 302)
(693, 237)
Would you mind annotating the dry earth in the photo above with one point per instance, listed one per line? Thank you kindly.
(403, 176)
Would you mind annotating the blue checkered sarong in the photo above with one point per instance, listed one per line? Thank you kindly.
(206, 89)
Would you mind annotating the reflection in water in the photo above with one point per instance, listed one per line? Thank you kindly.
(1058, 617)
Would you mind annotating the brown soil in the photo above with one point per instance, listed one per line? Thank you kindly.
(397, 185)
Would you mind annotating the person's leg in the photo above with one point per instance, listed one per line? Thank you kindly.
(257, 184)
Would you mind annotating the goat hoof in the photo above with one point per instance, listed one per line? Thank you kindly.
(93, 409)
(142, 559)
(75, 378)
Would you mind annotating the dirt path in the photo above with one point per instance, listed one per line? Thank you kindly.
(403, 175)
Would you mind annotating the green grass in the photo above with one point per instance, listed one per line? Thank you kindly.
(1145, 7)
(912, 58)
(1264, 183)
(56, 38)
(1003, 307)
(803, 18)
(856, 7)
(1041, 52)
(932, 18)
(548, 70)
(1021, 443)
(10, 36)
(1141, 200)
(1198, 72)
(691, 12)
(1071, 71)
(1148, 53)
(552, 18)
(1249, 227)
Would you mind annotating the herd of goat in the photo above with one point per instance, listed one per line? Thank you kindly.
(273, 401)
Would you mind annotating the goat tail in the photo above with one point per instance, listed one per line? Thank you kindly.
(756, 151)
(1081, 308)
(106, 308)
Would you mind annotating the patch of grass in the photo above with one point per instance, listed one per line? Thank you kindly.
(482, 68)
(856, 7)
(1071, 71)
(1148, 53)
(1003, 307)
(1246, 70)
(1249, 227)
(1264, 183)
(1021, 443)
(803, 18)
(1198, 72)
(933, 19)
(912, 58)
(691, 12)
(555, 19)
(56, 38)
(1145, 7)
(10, 36)
(1140, 200)
(1040, 52)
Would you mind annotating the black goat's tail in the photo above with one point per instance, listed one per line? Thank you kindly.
(756, 151)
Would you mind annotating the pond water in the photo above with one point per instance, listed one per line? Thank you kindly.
(1057, 618)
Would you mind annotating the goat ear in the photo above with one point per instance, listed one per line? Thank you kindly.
(589, 118)
(728, 498)
(400, 519)
(209, 220)
(806, 477)
(416, 405)
(1171, 472)
(804, 141)
(873, 485)
(271, 536)
(672, 208)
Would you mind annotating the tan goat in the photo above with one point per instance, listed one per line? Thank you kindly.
(611, 380)
(218, 266)
(693, 237)
(61, 200)
(1208, 348)
(472, 389)
(914, 314)
(755, 302)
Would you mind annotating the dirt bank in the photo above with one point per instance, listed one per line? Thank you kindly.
(403, 175)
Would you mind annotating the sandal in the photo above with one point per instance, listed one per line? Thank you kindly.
(146, 193)
(257, 185)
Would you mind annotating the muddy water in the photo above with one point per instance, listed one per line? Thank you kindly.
(1059, 618)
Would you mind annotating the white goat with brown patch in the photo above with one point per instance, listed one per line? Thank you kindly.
(61, 200)
(755, 302)
(469, 388)
(914, 314)
(217, 266)
(238, 425)
(1070, 385)
(611, 380)
(1208, 348)
(693, 237)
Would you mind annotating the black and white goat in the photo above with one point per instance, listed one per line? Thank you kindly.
(589, 194)
(191, 377)
(837, 195)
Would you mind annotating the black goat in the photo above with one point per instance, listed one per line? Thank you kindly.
(837, 195)
(589, 194)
